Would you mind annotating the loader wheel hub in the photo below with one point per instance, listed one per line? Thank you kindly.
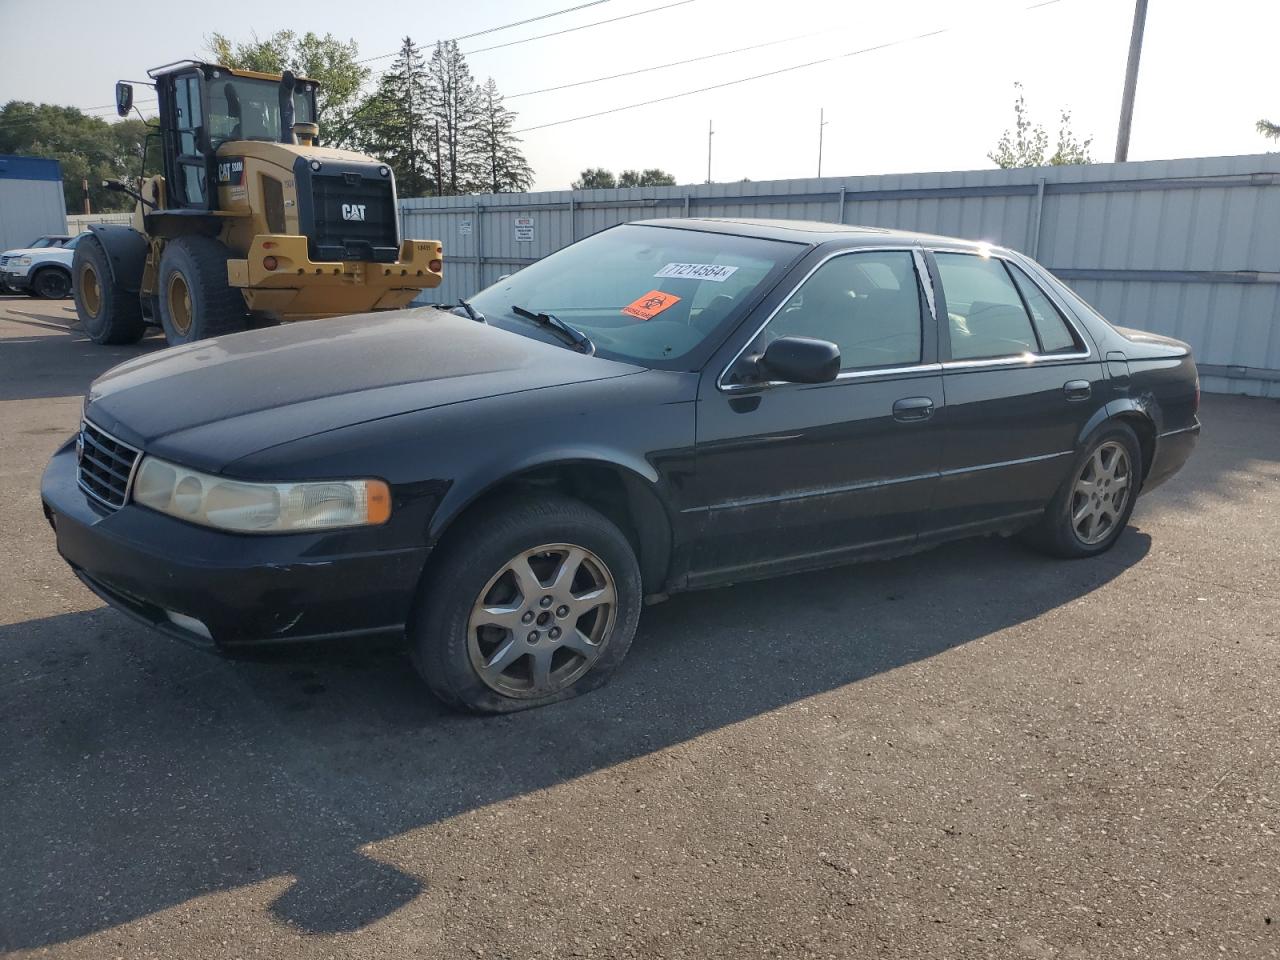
(180, 303)
(90, 290)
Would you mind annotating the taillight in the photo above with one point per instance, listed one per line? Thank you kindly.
(435, 266)
(270, 263)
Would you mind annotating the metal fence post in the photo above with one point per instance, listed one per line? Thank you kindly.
(1037, 211)
(479, 235)
(573, 219)
(840, 216)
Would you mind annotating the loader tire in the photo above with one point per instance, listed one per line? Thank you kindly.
(196, 301)
(108, 314)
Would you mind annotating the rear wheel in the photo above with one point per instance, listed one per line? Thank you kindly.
(51, 283)
(108, 314)
(1092, 508)
(535, 603)
(196, 301)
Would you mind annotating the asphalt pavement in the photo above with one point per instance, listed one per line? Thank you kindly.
(972, 752)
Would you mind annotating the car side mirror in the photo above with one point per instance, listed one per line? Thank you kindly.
(800, 360)
(124, 98)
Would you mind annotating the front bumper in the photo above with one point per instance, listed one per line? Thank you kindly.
(243, 589)
(15, 281)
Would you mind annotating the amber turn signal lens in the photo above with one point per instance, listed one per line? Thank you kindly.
(270, 263)
(378, 500)
(435, 266)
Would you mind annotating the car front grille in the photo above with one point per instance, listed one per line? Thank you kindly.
(4, 262)
(106, 465)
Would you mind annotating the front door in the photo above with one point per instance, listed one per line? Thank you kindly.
(792, 475)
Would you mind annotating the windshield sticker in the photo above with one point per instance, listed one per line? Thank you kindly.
(650, 305)
(715, 272)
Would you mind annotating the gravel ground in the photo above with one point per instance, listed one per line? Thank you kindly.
(974, 752)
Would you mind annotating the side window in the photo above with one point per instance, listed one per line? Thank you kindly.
(1055, 335)
(867, 304)
(984, 311)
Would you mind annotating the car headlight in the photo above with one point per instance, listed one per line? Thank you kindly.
(21, 262)
(259, 507)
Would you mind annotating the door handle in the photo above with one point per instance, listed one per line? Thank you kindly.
(912, 408)
(1077, 389)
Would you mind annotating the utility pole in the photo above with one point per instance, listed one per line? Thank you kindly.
(84, 185)
(1130, 80)
(821, 123)
(710, 134)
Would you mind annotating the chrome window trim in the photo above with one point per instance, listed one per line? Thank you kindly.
(1024, 359)
(133, 470)
(917, 260)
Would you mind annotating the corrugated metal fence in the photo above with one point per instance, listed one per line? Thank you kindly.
(1189, 248)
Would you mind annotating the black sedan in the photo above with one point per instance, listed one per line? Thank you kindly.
(663, 406)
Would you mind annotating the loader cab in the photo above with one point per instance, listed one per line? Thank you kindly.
(203, 106)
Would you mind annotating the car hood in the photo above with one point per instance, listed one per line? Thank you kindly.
(210, 403)
(35, 252)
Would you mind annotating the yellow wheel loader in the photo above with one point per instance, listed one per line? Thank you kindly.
(249, 222)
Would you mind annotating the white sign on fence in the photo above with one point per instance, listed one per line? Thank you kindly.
(464, 228)
(524, 229)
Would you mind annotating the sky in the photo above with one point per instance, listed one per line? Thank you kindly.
(921, 103)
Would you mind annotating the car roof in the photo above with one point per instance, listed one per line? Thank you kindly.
(810, 231)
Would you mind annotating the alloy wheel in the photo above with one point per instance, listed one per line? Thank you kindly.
(542, 621)
(1101, 492)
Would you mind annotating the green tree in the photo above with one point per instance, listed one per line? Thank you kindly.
(395, 124)
(595, 178)
(505, 168)
(86, 148)
(1269, 129)
(652, 177)
(326, 59)
(456, 118)
(1027, 144)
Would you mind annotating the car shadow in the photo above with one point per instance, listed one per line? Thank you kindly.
(142, 774)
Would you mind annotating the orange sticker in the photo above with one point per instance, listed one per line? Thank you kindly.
(650, 305)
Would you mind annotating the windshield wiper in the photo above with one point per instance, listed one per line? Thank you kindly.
(575, 337)
(472, 312)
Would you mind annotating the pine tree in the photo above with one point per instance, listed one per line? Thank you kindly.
(393, 124)
(505, 167)
(455, 110)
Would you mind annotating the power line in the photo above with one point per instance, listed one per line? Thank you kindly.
(761, 76)
(585, 26)
(505, 26)
(664, 66)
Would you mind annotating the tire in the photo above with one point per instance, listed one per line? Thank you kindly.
(449, 647)
(1113, 446)
(108, 314)
(51, 283)
(196, 302)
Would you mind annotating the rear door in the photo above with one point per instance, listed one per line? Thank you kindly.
(1021, 382)
(790, 474)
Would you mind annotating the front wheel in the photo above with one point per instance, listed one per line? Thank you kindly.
(1092, 508)
(535, 603)
(196, 299)
(51, 283)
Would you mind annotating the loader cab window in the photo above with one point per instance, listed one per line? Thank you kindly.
(192, 166)
(242, 108)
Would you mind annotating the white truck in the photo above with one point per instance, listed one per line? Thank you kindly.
(40, 270)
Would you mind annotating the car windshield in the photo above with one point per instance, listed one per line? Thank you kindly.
(47, 242)
(657, 296)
